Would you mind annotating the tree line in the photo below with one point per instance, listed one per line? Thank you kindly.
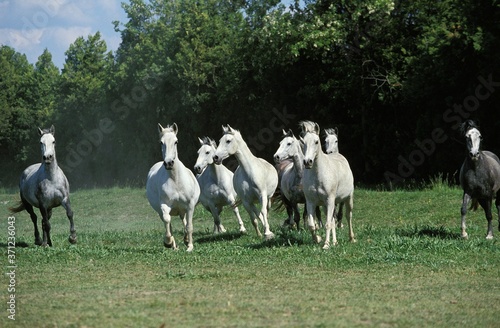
(395, 77)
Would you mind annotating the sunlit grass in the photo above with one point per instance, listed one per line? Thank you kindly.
(409, 267)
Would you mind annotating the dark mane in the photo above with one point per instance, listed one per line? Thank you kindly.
(467, 125)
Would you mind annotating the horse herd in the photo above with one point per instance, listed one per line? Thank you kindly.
(304, 173)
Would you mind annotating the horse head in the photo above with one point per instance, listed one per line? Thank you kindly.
(331, 141)
(473, 138)
(288, 147)
(48, 144)
(228, 144)
(310, 138)
(205, 154)
(168, 140)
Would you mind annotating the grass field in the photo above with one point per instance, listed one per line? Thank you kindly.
(409, 268)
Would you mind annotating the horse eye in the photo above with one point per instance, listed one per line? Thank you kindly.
(207, 153)
(228, 141)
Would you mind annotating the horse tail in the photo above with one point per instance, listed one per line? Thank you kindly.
(474, 204)
(16, 209)
(277, 200)
(236, 203)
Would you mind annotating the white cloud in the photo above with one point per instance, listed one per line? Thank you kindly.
(21, 40)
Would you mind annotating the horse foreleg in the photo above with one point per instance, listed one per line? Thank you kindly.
(465, 202)
(486, 205)
(29, 209)
(69, 213)
(265, 202)
(169, 240)
(330, 226)
(46, 226)
(311, 222)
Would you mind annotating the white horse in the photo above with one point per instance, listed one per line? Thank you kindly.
(255, 180)
(172, 188)
(291, 175)
(327, 180)
(45, 186)
(332, 147)
(216, 183)
(331, 141)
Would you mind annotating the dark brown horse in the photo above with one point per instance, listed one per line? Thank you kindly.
(479, 177)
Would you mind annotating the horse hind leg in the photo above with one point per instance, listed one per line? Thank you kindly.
(349, 207)
(497, 205)
(218, 227)
(29, 209)
(69, 213)
(253, 213)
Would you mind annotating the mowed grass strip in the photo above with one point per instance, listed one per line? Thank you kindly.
(409, 268)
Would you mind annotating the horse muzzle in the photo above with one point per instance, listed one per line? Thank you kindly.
(217, 159)
(48, 158)
(474, 155)
(168, 165)
(198, 169)
(308, 163)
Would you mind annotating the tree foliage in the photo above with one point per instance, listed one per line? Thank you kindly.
(387, 73)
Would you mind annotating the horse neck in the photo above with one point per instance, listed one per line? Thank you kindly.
(298, 162)
(245, 156)
(51, 169)
(321, 160)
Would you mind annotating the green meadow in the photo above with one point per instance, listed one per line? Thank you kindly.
(409, 268)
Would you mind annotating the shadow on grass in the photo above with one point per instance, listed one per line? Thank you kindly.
(427, 231)
(284, 238)
(226, 236)
(18, 244)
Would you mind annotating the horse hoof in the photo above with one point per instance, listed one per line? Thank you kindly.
(317, 239)
(326, 246)
(38, 242)
(243, 230)
(465, 236)
(72, 239)
(190, 248)
(269, 236)
(489, 237)
(353, 240)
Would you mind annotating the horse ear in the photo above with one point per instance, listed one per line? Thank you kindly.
(229, 128)
(40, 132)
(316, 128)
(175, 128)
(284, 132)
(224, 129)
(336, 129)
(52, 130)
(201, 141)
(160, 128)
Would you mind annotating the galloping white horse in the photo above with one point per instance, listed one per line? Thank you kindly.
(332, 147)
(255, 180)
(45, 186)
(291, 175)
(172, 189)
(327, 180)
(216, 183)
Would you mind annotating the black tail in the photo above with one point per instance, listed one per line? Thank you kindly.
(16, 209)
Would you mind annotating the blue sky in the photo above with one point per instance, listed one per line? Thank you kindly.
(30, 26)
